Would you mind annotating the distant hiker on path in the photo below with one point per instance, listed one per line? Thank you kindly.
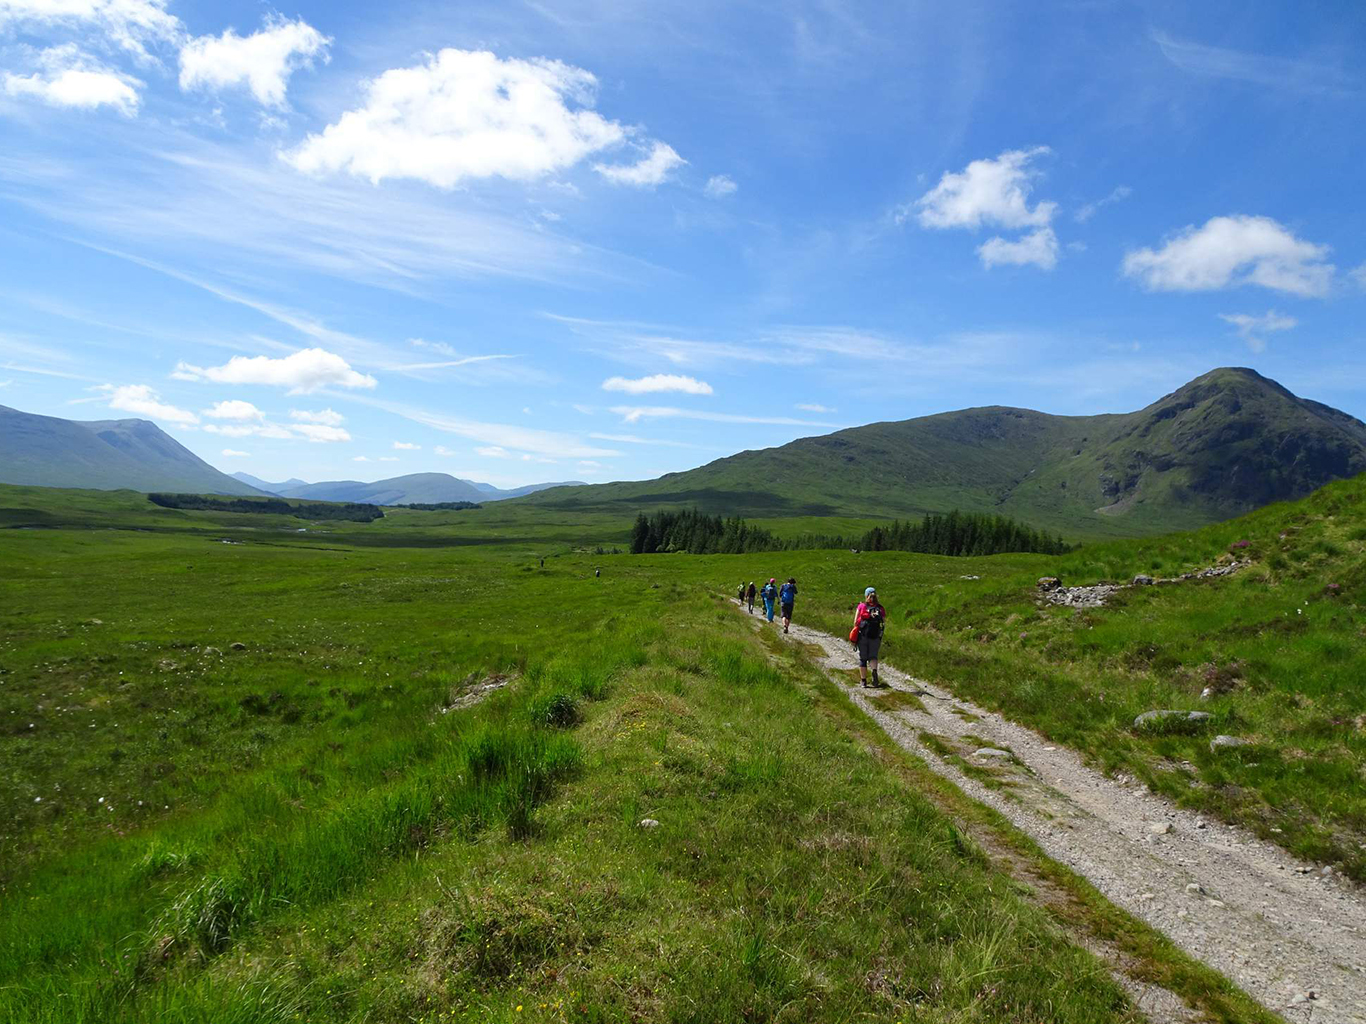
(770, 593)
(787, 596)
(749, 596)
(740, 594)
(597, 573)
(869, 620)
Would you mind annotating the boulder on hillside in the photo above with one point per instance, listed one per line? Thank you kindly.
(1223, 742)
(1047, 583)
(1169, 719)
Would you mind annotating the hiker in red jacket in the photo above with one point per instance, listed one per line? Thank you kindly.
(869, 621)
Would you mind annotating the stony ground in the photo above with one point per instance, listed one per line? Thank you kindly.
(1291, 935)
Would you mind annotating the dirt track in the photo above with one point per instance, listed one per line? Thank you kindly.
(1272, 924)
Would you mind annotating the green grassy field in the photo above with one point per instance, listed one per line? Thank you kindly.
(311, 825)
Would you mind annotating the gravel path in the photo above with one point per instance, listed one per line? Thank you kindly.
(1289, 936)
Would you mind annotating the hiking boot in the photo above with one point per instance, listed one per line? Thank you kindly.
(876, 680)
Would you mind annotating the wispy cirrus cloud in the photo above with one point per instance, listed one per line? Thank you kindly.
(548, 443)
(1279, 73)
(1089, 210)
(1254, 329)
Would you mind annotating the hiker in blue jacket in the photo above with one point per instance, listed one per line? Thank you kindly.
(787, 596)
(770, 595)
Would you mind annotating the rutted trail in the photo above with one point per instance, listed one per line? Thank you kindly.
(1272, 924)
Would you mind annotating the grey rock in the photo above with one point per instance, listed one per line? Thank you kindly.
(1169, 716)
(648, 823)
(1161, 828)
(1143, 581)
(1223, 742)
(1047, 583)
(993, 754)
(213, 650)
(1196, 888)
(238, 646)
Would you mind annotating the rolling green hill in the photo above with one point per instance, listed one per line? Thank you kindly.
(105, 455)
(1224, 444)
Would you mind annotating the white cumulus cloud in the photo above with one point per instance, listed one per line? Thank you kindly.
(233, 453)
(720, 185)
(987, 193)
(262, 61)
(813, 407)
(1253, 329)
(465, 114)
(404, 446)
(1039, 248)
(320, 433)
(327, 417)
(493, 451)
(1234, 250)
(144, 401)
(301, 372)
(234, 410)
(130, 25)
(441, 449)
(70, 78)
(656, 383)
(649, 171)
(360, 458)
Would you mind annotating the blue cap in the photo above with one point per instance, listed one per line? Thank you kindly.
(870, 590)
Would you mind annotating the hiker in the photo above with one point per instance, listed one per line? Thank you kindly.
(786, 597)
(597, 573)
(542, 563)
(770, 594)
(749, 596)
(868, 621)
(740, 594)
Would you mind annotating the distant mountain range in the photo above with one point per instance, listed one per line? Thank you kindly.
(416, 488)
(103, 455)
(1227, 442)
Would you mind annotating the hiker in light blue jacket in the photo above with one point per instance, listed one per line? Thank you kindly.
(770, 595)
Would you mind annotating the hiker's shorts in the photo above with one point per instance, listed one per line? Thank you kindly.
(787, 611)
(867, 649)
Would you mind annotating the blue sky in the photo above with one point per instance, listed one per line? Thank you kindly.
(588, 240)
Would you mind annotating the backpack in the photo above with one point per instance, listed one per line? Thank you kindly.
(788, 594)
(871, 623)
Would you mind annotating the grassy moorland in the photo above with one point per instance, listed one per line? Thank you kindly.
(247, 782)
